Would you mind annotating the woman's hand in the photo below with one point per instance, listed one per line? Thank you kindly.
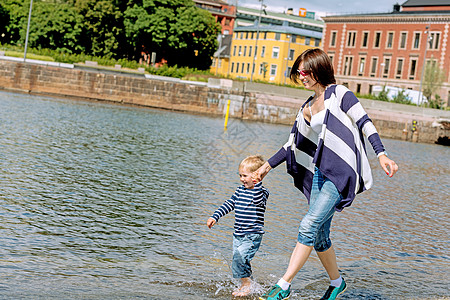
(259, 174)
(385, 162)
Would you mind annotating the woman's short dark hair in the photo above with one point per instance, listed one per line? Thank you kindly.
(316, 61)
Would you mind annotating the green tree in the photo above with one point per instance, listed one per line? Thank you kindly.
(4, 22)
(102, 27)
(175, 29)
(433, 79)
(56, 26)
(16, 11)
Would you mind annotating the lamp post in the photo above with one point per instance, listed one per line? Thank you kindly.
(287, 58)
(28, 31)
(419, 101)
(256, 42)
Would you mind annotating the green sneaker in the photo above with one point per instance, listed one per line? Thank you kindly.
(333, 291)
(276, 293)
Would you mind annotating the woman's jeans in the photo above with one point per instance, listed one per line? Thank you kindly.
(244, 248)
(315, 227)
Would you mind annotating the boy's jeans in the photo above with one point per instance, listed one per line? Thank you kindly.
(244, 248)
(315, 227)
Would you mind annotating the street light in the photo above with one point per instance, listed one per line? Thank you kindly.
(419, 101)
(28, 31)
(287, 59)
(257, 37)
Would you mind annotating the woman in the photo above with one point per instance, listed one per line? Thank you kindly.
(326, 156)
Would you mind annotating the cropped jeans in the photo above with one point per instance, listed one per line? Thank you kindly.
(315, 226)
(244, 249)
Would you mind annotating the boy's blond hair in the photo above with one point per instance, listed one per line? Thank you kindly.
(252, 163)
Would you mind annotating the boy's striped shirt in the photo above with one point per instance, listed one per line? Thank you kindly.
(249, 206)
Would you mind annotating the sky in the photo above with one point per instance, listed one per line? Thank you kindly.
(324, 7)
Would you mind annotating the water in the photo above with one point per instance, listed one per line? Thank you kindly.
(101, 201)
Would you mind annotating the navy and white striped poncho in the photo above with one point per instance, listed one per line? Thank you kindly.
(338, 151)
(249, 206)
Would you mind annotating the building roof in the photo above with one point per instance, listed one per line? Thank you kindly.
(279, 16)
(410, 3)
(280, 29)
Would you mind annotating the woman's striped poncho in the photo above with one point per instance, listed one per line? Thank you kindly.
(338, 151)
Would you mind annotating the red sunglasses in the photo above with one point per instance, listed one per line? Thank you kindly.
(304, 72)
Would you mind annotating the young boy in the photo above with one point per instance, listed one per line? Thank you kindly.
(249, 202)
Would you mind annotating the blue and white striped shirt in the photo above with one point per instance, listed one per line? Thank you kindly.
(338, 151)
(249, 206)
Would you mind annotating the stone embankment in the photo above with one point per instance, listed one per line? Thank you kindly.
(251, 101)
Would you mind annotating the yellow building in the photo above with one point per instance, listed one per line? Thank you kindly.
(267, 58)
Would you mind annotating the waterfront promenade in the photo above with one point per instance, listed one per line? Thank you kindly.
(250, 101)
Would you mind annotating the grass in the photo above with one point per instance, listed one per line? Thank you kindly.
(29, 55)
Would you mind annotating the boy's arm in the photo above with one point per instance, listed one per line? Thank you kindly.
(224, 209)
(261, 194)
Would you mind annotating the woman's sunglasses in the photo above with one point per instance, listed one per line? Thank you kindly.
(304, 72)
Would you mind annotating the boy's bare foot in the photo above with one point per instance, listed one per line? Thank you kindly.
(242, 291)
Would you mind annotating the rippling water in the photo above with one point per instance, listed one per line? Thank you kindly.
(100, 201)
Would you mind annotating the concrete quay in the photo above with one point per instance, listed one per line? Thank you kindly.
(250, 101)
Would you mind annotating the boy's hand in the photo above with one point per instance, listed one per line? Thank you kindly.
(210, 223)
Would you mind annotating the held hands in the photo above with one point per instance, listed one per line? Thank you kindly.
(210, 223)
(259, 174)
(385, 162)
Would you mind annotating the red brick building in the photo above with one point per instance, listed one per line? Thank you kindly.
(390, 48)
(224, 13)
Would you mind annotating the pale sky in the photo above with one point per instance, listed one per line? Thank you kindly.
(322, 7)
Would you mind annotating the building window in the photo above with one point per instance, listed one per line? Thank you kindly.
(240, 51)
(265, 35)
(242, 35)
(252, 36)
(358, 88)
(390, 40)
(293, 38)
(373, 68)
(242, 68)
(416, 42)
(291, 54)
(288, 72)
(256, 51)
(232, 68)
(331, 56)
(248, 68)
(263, 51)
(234, 51)
(246, 35)
(245, 50)
(377, 41)
(348, 61)
(387, 62)
(250, 51)
(365, 39)
(434, 40)
(316, 42)
(237, 67)
(398, 73)
(333, 39)
(236, 35)
(412, 68)
(362, 65)
(275, 52)
(277, 36)
(351, 39)
(307, 40)
(403, 37)
(273, 70)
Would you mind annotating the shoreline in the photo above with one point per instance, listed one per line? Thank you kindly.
(247, 100)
